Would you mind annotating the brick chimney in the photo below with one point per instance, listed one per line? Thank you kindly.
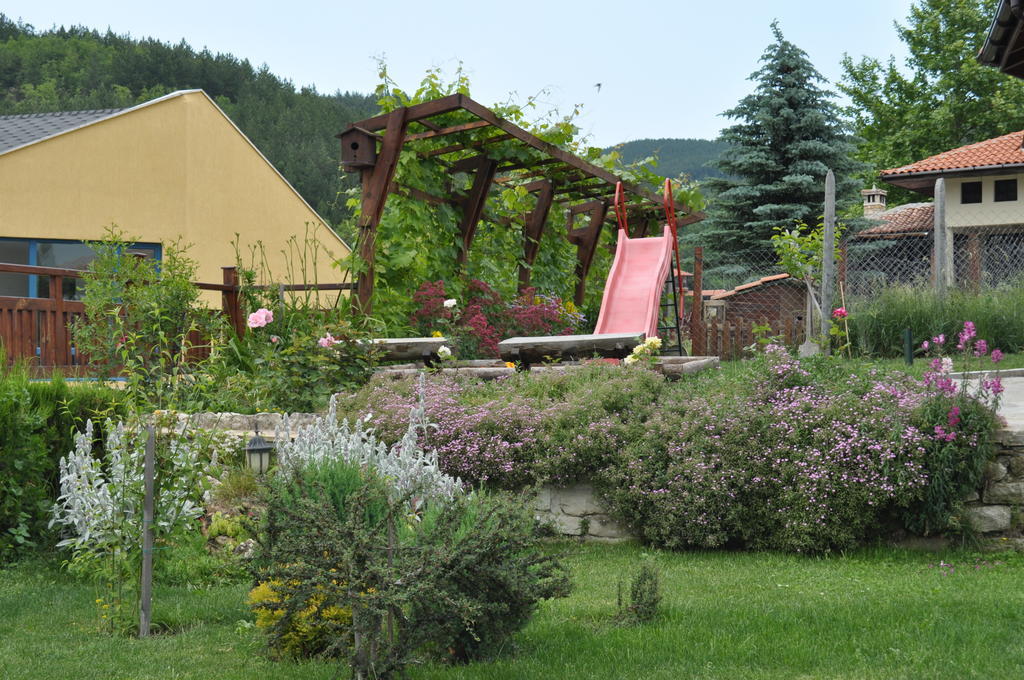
(874, 201)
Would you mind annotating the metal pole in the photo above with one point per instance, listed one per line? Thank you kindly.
(828, 253)
(146, 587)
(940, 237)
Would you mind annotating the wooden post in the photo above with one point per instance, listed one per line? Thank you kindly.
(586, 241)
(698, 341)
(473, 206)
(939, 248)
(828, 259)
(61, 351)
(376, 180)
(146, 586)
(230, 300)
(533, 230)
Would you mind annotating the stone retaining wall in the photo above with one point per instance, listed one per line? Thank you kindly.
(994, 510)
(575, 511)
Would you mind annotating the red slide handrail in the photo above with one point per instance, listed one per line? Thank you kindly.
(669, 201)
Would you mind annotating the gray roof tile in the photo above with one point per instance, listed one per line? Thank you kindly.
(26, 128)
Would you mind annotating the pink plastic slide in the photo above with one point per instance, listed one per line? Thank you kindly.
(632, 294)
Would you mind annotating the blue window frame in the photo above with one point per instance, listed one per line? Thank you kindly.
(62, 254)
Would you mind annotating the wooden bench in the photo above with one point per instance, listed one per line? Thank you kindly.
(409, 349)
(529, 350)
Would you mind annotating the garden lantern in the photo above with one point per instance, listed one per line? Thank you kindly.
(257, 454)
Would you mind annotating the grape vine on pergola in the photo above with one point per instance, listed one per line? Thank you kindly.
(495, 153)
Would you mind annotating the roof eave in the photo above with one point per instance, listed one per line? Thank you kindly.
(923, 182)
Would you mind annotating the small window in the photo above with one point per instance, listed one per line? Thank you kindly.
(970, 192)
(1006, 190)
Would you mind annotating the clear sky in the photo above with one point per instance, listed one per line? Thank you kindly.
(667, 68)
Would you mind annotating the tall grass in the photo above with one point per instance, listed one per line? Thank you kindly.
(876, 325)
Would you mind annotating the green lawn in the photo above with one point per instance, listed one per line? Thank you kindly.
(874, 614)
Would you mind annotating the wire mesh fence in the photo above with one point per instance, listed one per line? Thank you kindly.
(984, 248)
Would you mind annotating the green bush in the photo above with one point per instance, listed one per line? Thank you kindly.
(481, 554)
(343, 560)
(24, 463)
(37, 425)
(877, 325)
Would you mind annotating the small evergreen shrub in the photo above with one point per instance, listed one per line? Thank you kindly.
(374, 555)
(644, 595)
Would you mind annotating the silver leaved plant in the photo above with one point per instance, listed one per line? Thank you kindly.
(409, 470)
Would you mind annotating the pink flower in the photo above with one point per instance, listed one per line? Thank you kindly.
(953, 417)
(839, 313)
(274, 339)
(939, 339)
(326, 341)
(980, 348)
(997, 355)
(925, 345)
(260, 318)
(995, 385)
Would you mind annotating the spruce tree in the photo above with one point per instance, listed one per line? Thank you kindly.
(787, 136)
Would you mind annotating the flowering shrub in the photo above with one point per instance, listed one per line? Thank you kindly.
(783, 454)
(646, 352)
(477, 323)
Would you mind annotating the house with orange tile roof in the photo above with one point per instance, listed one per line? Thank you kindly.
(984, 212)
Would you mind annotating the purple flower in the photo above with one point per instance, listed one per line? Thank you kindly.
(980, 348)
(997, 355)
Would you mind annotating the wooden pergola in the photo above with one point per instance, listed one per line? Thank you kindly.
(477, 143)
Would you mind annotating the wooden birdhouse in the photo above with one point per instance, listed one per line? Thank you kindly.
(358, 149)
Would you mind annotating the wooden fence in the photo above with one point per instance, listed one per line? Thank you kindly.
(37, 329)
(728, 339)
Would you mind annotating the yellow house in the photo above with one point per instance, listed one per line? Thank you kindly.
(174, 167)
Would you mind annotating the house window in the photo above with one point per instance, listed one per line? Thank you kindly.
(14, 252)
(970, 192)
(52, 253)
(1006, 190)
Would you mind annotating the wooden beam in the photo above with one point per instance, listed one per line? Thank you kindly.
(418, 194)
(427, 124)
(376, 181)
(478, 144)
(414, 114)
(441, 132)
(473, 205)
(533, 230)
(549, 149)
(586, 241)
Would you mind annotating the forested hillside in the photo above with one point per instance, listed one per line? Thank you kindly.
(78, 68)
(676, 156)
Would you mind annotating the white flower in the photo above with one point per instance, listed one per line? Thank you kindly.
(654, 342)
(947, 365)
(630, 360)
(449, 303)
(444, 352)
